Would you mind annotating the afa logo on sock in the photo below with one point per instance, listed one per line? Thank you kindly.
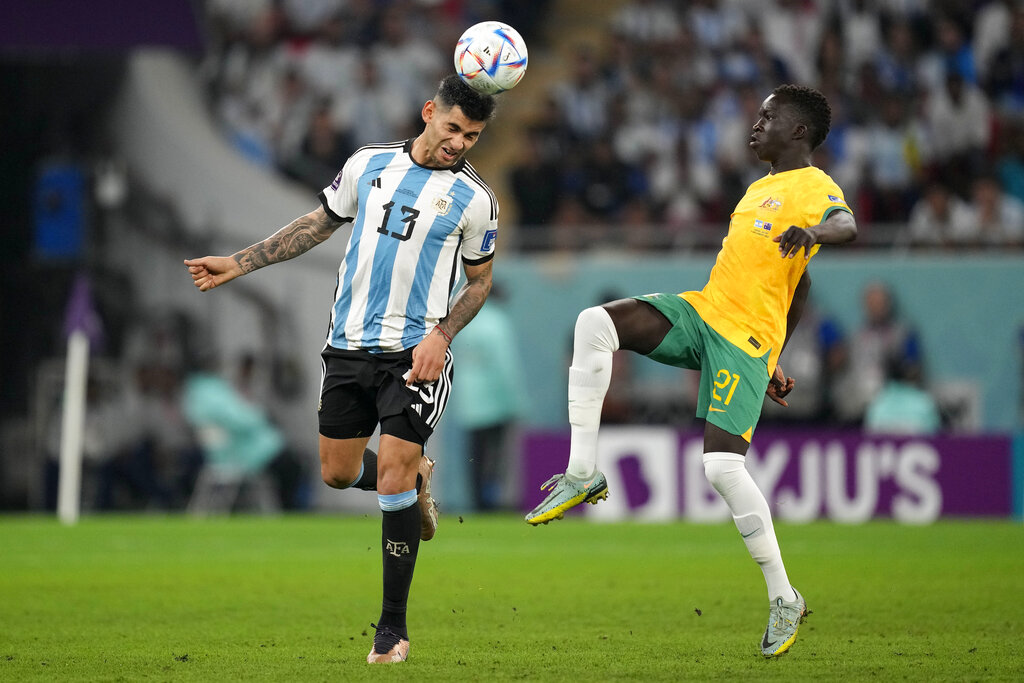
(397, 548)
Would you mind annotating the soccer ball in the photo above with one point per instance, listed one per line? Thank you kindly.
(491, 57)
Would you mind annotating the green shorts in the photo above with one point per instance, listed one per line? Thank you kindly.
(732, 383)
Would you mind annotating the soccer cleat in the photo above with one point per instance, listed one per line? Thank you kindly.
(567, 493)
(388, 647)
(428, 506)
(783, 622)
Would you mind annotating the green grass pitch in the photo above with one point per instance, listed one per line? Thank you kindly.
(292, 598)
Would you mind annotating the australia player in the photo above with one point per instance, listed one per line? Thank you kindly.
(417, 209)
(733, 331)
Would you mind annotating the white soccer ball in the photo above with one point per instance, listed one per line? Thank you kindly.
(491, 57)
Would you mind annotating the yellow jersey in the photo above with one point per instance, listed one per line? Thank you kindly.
(751, 287)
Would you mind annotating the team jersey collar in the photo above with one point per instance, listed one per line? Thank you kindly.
(407, 148)
(791, 170)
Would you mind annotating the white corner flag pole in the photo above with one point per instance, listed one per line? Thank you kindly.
(69, 486)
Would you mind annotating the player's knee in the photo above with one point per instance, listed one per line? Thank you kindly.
(595, 328)
(719, 473)
(337, 476)
(396, 478)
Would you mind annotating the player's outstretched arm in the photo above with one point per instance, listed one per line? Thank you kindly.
(298, 237)
(428, 356)
(840, 227)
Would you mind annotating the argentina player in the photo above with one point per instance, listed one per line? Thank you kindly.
(417, 208)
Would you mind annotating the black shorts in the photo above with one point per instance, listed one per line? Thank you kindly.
(359, 390)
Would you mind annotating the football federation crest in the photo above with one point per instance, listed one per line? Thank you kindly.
(771, 204)
(442, 204)
(397, 548)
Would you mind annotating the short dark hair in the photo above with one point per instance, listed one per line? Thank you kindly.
(454, 91)
(811, 107)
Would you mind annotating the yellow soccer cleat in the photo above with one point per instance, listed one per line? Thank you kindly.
(567, 492)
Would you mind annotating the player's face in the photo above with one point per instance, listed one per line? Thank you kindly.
(773, 131)
(448, 135)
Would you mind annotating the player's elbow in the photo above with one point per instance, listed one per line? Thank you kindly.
(850, 228)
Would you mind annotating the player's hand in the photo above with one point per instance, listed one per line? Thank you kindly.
(427, 359)
(779, 386)
(211, 271)
(795, 239)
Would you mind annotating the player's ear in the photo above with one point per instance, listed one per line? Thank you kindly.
(799, 131)
(428, 111)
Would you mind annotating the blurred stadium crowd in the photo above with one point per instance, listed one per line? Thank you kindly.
(638, 139)
(645, 131)
(300, 85)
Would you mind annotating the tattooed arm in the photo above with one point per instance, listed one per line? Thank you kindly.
(428, 356)
(298, 237)
(470, 298)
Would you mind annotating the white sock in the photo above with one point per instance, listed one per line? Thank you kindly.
(728, 474)
(594, 341)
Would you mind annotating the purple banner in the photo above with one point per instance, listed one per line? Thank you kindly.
(657, 473)
(98, 24)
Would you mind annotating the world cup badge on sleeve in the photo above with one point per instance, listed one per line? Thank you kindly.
(487, 244)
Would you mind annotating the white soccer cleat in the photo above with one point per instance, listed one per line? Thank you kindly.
(783, 623)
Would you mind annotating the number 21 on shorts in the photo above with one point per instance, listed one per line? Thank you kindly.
(723, 379)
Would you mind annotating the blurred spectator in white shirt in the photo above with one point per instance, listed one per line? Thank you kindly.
(898, 61)
(1004, 78)
(716, 25)
(647, 21)
(991, 32)
(305, 17)
(996, 218)
(288, 113)
(792, 31)
(370, 111)
(331, 63)
(938, 216)
(958, 123)
(407, 62)
(861, 31)
(883, 338)
(892, 161)
(583, 100)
